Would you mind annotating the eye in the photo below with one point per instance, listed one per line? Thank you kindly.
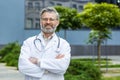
(50, 19)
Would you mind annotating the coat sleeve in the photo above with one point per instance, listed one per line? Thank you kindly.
(58, 66)
(25, 66)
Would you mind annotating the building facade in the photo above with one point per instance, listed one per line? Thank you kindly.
(33, 7)
(19, 19)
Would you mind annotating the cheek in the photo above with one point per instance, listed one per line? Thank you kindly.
(41, 23)
(56, 22)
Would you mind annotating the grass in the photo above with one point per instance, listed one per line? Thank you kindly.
(103, 62)
(103, 65)
(112, 78)
(112, 66)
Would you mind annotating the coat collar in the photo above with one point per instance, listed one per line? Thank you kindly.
(51, 43)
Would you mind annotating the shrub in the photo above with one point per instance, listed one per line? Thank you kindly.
(82, 71)
(5, 50)
(78, 70)
(10, 53)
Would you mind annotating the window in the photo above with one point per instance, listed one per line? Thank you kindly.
(32, 8)
(37, 5)
(37, 23)
(30, 5)
(80, 7)
(52, 4)
(59, 4)
(29, 23)
(74, 6)
(32, 14)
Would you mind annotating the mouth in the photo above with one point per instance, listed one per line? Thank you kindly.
(48, 26)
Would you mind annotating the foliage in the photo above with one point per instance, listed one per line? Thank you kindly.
(77, 70)
(69, 18)
(82, 71)
(100, 16)
(96, 35)
(10, 53)
(6, 49)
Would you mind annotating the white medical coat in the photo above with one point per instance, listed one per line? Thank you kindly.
(49, 68)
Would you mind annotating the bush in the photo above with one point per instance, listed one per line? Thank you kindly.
(10, 53)
(6, 49)
(78, 70)
(82, 71)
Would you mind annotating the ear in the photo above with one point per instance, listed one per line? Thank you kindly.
(58, 22)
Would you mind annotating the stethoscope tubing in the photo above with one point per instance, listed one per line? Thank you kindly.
(57, 50)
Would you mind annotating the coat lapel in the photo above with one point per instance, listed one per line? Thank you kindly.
(52, 42)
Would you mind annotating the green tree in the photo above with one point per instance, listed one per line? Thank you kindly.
(69, 18)
(100, 18)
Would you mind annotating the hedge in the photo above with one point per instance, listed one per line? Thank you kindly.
(78, 70)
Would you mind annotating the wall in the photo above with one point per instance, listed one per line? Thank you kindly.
(11, 21)
(12, 26)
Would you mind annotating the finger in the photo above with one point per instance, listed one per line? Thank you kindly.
(59, 56)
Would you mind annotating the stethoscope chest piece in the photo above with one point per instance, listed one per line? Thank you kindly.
(58, 50)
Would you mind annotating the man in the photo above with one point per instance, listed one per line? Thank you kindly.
(45, 56)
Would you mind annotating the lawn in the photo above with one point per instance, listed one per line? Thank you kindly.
(103, 65)
(112, 78)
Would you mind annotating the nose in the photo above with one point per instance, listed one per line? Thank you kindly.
(48, 21)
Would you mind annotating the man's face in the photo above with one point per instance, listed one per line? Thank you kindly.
(49, 22)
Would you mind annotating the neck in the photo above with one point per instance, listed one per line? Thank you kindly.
(47, 34)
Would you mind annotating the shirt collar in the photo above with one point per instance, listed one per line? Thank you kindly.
(49, 38)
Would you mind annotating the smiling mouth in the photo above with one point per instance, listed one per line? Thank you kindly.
(48, 26)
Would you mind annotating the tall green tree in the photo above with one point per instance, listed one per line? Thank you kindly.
(69, 18)
(100, 18)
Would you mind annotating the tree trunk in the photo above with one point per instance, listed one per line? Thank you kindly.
(99, 53)
(65, 33)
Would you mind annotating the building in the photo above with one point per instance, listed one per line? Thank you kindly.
(32, 8)
(19, 20)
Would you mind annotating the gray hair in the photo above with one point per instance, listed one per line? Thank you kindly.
(49, 9)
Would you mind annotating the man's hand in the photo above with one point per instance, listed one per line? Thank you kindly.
(33, 60)
(59, 56)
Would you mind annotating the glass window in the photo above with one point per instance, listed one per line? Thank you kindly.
(37, 23)
(29, 23)
(37, 5)
(74, 6)
(30, 5)
(59, 4)
(80, 7)
(52, 4)
(31, 13)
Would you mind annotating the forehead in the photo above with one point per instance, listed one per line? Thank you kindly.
(49, 15)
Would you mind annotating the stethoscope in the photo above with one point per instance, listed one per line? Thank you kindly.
(37, 39)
